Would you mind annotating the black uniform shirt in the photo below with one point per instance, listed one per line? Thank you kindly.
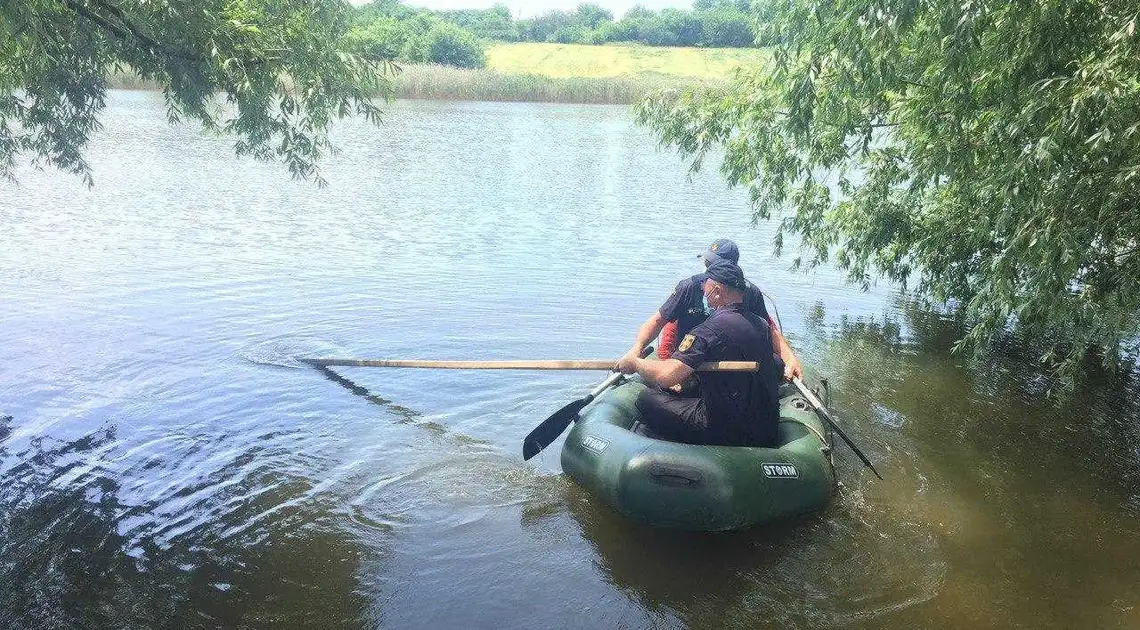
(743, 407)
(686, 305)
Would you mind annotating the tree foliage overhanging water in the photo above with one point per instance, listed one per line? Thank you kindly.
(985, 153)
(279, 66)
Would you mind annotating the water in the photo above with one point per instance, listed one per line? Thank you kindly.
(158, 467)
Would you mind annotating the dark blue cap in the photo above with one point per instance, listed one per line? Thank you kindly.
(721, 248)
(726, 272)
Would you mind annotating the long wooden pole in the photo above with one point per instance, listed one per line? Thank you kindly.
(586, 364)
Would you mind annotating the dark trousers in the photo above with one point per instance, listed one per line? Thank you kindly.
(673, 417)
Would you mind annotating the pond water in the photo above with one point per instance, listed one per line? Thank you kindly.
(158, 468)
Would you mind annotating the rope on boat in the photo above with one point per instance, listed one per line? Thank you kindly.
(822, 440)
(825, 447)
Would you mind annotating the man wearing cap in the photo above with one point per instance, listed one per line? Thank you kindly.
(734, 408)
(686, 307)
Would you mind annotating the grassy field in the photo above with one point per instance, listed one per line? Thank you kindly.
(559, 73)
(575, 60)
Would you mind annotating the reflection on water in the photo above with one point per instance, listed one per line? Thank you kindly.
(75, 555)
(1027, 494)
(824, 570)
(158, 467)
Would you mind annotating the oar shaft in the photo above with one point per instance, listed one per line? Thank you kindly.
(586, 364)
(831, 421)
(606, 384)
(807, 393)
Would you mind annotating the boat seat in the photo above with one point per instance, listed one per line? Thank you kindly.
(785, 434)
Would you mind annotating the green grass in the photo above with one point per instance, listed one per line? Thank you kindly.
(560, 73)
(443, 82)
(576, 60)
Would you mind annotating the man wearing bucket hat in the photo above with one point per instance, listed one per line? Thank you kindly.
(685, 309)
(733, 408)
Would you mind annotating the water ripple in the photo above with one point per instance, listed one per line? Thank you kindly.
(156, 470)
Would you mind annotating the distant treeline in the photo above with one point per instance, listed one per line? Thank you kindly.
(710, 23)
(390, 29)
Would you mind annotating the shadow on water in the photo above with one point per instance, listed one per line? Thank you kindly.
(897, 379)
(827, 569)
(1030, 495)
(284, 352)
(74, 555)
(404, 414)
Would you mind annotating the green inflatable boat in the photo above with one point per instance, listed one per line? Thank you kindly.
(696, 487)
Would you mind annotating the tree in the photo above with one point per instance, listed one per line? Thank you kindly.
(450, 45)
(591, 15)
(639, 12)
(400, 33)
(743, 6)
(623, 31)
(657, 33)
(570, 35)
(684, 25)
(383, 38)
(542, 28)
(495, 23)
(726, 28)
(276, 64)
(382, 8)
(984, 154)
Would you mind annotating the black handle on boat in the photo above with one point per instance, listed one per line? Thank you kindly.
(552, 427)
(827, 416)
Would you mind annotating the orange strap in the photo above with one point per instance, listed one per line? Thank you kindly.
(668, 341)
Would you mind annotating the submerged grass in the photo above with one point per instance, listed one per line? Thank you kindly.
(448, 83)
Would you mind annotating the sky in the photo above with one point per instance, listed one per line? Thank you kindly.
(519, 8)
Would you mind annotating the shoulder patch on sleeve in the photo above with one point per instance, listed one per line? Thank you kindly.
(686, 343)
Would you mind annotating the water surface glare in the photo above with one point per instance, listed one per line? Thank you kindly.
(156, 468)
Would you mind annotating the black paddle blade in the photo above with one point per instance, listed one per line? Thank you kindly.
(551, 428)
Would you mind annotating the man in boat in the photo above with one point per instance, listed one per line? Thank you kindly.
(685, 309)
(734, 408)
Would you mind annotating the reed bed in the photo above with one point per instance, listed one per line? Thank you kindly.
(444, 82)
(448, 83)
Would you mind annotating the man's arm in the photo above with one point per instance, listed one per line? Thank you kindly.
(678, 300)
(792, 366)
(665, 373)
(648, 332)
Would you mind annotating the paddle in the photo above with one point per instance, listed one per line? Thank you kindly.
(586, 364)
(552, 427)
(827, 416)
